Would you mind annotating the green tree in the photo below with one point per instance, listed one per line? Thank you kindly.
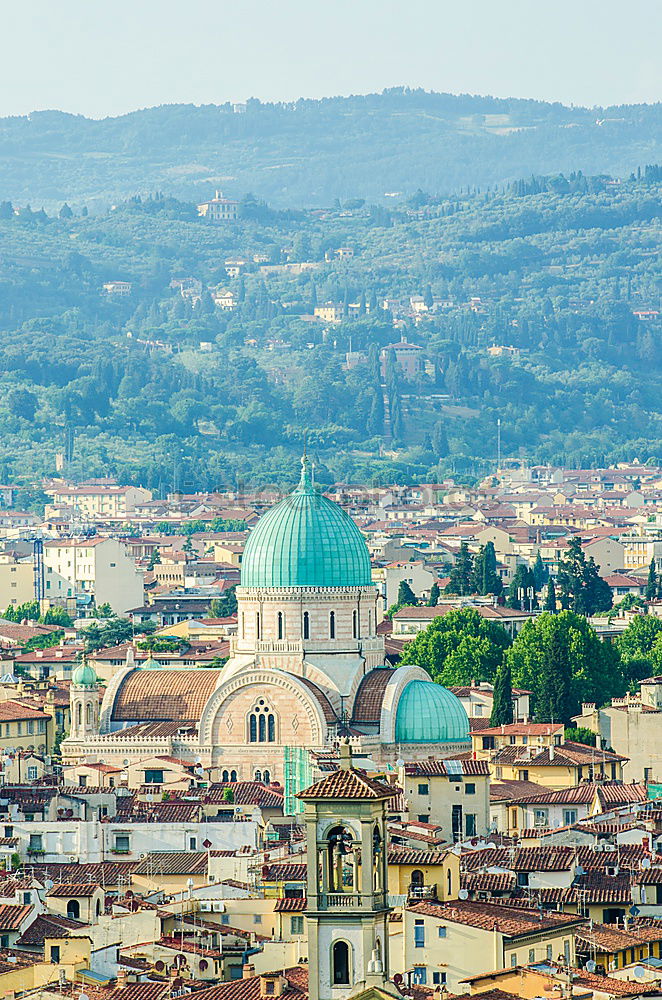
(581, 586)
(486, 578)
(440, 445)
(406, 596)
(57, 616)
(651, 583)
(462, 574)
(22, 403)
(540, 572)
(435, 592)
(224, 606)
(638, 646)
(596, 672)
(580, 734)
(522, 589)
(502, 702)
(550, 598)
(458, 647)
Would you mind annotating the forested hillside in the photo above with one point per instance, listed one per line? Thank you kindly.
(560, 274)
(310, 152)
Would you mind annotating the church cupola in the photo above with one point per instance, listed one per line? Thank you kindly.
(84, 701)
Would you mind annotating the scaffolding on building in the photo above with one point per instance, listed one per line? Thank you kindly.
(298, 775)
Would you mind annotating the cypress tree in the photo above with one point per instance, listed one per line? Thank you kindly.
(502, 702)
(434, 595)
(550, 599)
(556, 679)
(406, 596)
(651, 584)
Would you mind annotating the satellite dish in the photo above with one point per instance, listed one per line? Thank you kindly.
(591, 966)
(646, 863)
(49, 883)
(463, 894)
(399, 763)
(83, 996)
(634, 911)
(639, 972)
(579, 870)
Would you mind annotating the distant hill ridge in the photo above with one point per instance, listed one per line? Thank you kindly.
(309, 152)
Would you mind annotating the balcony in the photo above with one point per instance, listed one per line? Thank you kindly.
(417, 893)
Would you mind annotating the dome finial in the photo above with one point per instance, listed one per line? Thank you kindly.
(306, 481)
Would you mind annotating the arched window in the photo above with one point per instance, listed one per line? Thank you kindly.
(89, 715)
(341, 860)
(258, 625)
(73, 909)
(332, 625)
(258, 776)
(233, 775)
(281, 625)
(266, 777)
(306, 625)
(417, 878)
(449, 883)
(79, 713)
(98, 908)
(355, 625)
(225, 776)
(261, 724)
(340, 963)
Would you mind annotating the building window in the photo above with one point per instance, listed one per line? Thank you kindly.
(73, 909)
(122, 843)
(233, 775)
(258, 625)
(36, 842)
(540, 817)
(332, 625)
(225, 776)
(470, 824)
(566, 952)
(569, 816)
(193, 843)
(549, 953)
(261, 724)
(532, 954)
(55, 953)
(513, 960)
(153, 777)
(423, 789)
(32, 774)
(470, 788)
(420, 976)
(439, 978)
(419, 934)
(355, 625)
(306, 625)
(340, 962)
(281, 625)
(442, 931)
(296, 925)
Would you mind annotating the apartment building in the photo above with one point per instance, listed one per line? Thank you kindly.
(92, 570)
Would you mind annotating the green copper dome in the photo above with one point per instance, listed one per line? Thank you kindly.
(84, 676)
(429, 713)
(306, 540)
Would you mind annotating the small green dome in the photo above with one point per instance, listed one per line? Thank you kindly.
(306, 540)
(429, 713)
(84, 676)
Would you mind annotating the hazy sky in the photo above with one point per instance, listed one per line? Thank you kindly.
(100, 59)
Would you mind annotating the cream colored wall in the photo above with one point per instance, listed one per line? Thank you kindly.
(16, 583)
(443, 795)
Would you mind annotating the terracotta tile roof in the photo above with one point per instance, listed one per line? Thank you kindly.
(252, 989)
(370, 694)
(246, 793)
(432, 768)
(555, 857)
(73, 889)
(398, 855)
(108, 874)
(173, 863)
(613, 794)
(291, 905)
(137, 991)
(512, 923)
(11, 710)
(285, 871)
(611, 937)
(507, 791)
(526, 729)
(489, 881)
(12, 915)
(346, 784)
(48, 925)
(561, 756)
(164, 695)
(321, 698)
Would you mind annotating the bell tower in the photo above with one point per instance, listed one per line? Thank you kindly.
(347, 912)
(84, 702)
